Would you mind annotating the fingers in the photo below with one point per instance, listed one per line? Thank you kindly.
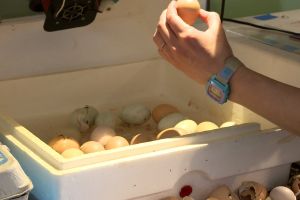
(174, 21)
(212, 19)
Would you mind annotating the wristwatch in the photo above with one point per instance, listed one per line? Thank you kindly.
(218, 87)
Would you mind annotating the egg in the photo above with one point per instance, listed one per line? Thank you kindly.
(170, 132)
(188, 10)
(72, 153)
(84, 118)
(281, 192)
(251, 190)
(116, 142)
(188, 125)
(136, 114)
(102, 134)
(106, 118)
(227, 124)
(170, 198)
(161, 111)
(170, 121)
(223, 193)
(187, 198)
(61, 143)
(141, 138)
(206, 126)
(91, 147)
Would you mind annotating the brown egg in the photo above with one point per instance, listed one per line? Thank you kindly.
(162, 110)
(170, 198)
(170, 132)
(116, 142)
(188, 10)
(296, 186)
(223, 193)
(102, 134)
(140, 138)
(61, 143)
(91, 147)
(72, 153)
(252, 191)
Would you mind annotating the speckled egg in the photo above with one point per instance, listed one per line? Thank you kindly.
(91, 147)
(61, 143)
(84, 118)
(206, 126)
(136, 114)
(188, 125)
(161, 111)
(102, 134)
(116, 142)
(72, 153)
(281, 192)
(106, 118)
(170, 121)
(252, 190)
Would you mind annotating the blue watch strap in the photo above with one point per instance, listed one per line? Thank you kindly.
(231, 65)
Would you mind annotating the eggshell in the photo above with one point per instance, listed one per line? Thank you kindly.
(84, 118)
(91, 147)
(188, 10)
(135, 114)
(227, 124)
(141, 138)
(206, 126)
(162, 110)
(116, 142)
(61, 143)
(106, 118)
(71, 153)
(170, 198)
(252, 190)
(188, 125)
(170, 132)
(187, 198)
(223, 193)
(170, 121)
(282, 193)
(102, 134)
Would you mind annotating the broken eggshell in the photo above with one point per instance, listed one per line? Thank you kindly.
(170, 132)
(222, 193)
(106, 118)
(282, 193)
(135, 114)
(84, 118)
(170, 121)
(251, 190)
(141, 138)
(296, 186)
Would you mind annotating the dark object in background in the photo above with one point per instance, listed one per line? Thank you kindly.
(66, 14)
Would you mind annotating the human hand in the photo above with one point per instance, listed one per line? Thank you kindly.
(199, 54)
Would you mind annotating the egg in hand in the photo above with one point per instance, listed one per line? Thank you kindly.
(188, 10)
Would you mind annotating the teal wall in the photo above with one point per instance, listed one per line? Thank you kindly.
(240, 8)
(234, 8)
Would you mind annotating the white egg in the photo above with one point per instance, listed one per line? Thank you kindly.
(170, 121)
(135, 114)
(102, 134)
(206, 126)
(282, 193)
(84, 118)
(188, 125)
(106, 119)
(227, 124)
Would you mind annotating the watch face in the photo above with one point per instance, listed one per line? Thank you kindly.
(215, 92)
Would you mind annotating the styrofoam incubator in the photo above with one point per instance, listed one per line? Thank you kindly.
(109, 65)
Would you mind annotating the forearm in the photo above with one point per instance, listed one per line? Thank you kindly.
(271, 99)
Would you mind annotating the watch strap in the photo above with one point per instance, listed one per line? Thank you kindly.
(231, 65)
